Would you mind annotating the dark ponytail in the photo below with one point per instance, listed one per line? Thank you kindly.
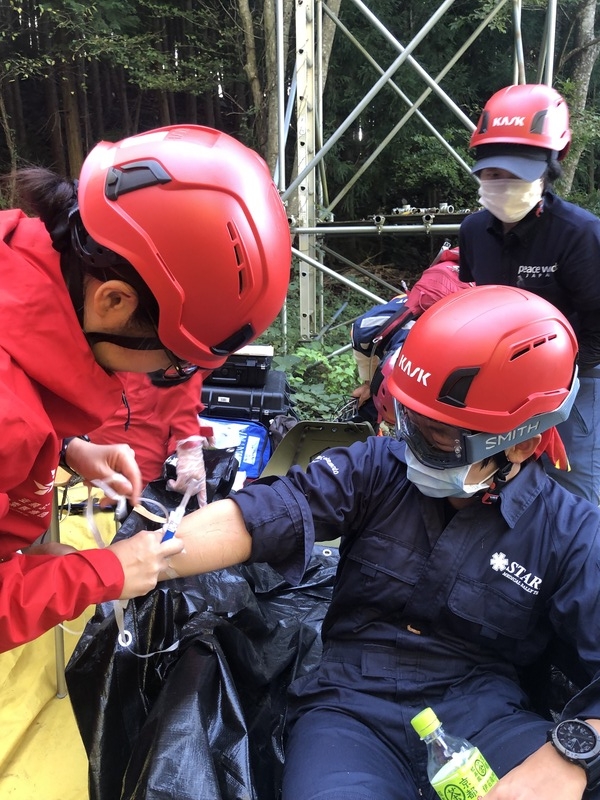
(44, 194)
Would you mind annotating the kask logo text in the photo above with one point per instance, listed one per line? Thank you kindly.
(413, 371)
(499, 122)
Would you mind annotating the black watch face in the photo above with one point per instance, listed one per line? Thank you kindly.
(577, 738)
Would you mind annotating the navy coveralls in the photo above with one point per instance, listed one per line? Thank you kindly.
(430, 608)
(556, 255)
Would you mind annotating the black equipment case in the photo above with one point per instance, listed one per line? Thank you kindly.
(258, 403)
(246, 367)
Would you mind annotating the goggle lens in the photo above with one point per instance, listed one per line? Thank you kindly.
(436, 445)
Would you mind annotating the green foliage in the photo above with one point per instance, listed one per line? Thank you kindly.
(588, 200)
(194, 56)
(435, 176)
(320, 384)
(116, 57)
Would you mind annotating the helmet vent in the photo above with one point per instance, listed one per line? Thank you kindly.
(456, 387)
(239, 256)
(527, 348)
(537, 123)
(133, 176)
(484, 122)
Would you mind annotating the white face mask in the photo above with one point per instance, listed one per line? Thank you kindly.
(510, 199)
(442, 482)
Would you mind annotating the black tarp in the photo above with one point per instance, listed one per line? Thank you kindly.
(203, 721)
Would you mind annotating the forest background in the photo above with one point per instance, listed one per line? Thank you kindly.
(73, 73)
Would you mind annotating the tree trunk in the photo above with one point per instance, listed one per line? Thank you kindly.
(584, 55)
(121, 92)
(71, 122)
(251, 70)
(85, 116)
(207, 106)
(272, 138)
(329, 29)
(164, 117)
(95, 94)
(10, 140)
(56, 132)
(18, 120)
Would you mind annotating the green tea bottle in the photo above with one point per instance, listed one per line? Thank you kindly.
(455, 767)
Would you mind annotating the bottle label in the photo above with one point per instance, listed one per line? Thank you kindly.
(464, 781)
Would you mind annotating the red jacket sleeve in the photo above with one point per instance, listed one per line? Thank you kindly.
(38, 592)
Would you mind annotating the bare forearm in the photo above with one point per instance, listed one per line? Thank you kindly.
(214, 537)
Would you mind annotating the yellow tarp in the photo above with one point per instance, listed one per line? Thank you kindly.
(41, 754)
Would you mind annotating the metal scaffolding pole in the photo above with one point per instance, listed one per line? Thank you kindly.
(314, 218)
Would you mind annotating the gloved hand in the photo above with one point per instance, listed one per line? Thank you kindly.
(191, 472)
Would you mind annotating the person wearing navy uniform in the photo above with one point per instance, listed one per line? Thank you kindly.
(461, 561)
(527, 236)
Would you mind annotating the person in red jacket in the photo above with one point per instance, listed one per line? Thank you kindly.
(170, 251)
(155, 419)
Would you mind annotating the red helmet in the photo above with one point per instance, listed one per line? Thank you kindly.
(492, 359)
(526, 114)
(197, 215)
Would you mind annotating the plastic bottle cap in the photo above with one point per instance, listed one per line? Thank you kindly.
(425, 722)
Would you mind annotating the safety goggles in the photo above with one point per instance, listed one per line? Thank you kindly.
(442, 446)
(178, 372)
(435, 444)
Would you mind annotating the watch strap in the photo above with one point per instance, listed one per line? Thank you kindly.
(62, 458)
(590, 765)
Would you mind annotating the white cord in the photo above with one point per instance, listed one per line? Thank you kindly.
(124, 637)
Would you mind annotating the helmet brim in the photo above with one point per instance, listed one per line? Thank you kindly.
(526, 169)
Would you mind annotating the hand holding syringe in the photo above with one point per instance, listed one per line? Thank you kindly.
(191, 477)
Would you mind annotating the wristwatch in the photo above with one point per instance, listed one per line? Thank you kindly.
(578, 742)
(62, 458)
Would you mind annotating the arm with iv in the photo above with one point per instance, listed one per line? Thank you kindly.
(214, 537)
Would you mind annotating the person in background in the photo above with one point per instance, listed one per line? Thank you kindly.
(170, 251)
(155, 418)
(460, 562)
(378, 334)
(528, 236)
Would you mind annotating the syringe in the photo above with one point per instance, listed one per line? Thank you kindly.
(175, 516)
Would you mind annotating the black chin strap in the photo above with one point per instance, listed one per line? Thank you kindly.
(59, 228)
(73, 277)
(499, 479)
(129, 342)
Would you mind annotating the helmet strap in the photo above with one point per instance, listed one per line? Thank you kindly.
(74, 276)
(500, 478)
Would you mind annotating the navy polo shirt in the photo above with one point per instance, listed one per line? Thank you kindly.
(553, 252)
